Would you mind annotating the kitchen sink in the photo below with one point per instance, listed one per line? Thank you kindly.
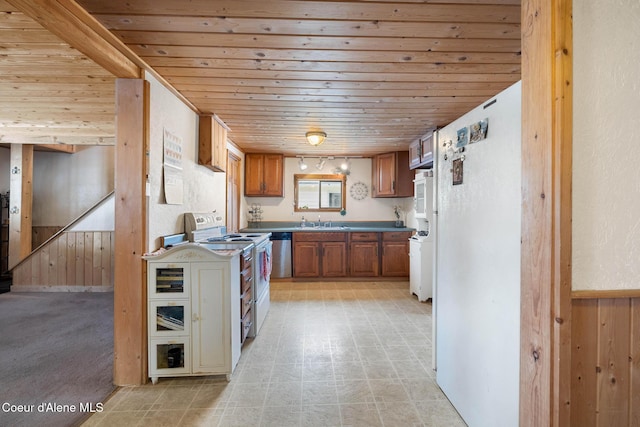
(323, 228)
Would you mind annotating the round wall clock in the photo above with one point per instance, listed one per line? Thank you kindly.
(359, 190)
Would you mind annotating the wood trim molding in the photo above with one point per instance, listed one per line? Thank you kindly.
(606, 293)
(545, 339)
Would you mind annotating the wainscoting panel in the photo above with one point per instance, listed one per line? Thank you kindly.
(72, 261)
(605, 361)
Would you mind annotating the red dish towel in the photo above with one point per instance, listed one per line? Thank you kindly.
(265, 265)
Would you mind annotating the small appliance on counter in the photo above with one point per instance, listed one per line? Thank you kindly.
(202, 228)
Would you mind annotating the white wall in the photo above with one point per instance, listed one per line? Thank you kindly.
(65, 185)
(368, 209)
(478, 267)
(606, 145)
(204, 190)
(99, 219)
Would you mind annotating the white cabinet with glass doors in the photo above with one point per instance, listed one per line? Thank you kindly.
(192, 308)
(423, 193)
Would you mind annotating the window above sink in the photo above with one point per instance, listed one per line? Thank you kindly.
(319, 193)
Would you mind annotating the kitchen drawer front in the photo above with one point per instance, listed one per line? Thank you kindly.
(396, 235)
(364, 237)
(245, 302)
(245, 326)
(246, 278)
(319, 236)
(245, 260)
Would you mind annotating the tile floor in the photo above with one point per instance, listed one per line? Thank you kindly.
(329, 354)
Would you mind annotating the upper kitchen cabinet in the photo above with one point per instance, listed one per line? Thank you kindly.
(391, 175)
(421, 152)
(212, 143)
(263, 175)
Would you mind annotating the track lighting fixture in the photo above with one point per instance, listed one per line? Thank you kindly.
(301, 164)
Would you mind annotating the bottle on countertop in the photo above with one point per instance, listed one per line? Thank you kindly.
(303, 223)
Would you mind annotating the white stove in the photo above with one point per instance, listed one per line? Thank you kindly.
(204, 228)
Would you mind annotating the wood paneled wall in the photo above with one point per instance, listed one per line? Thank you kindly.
(73, 259)
(605, 362)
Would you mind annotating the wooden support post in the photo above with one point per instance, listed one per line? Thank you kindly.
(132, 139)
(21, 203)
(545, 339)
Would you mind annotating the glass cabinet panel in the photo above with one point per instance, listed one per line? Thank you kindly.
(420, 194)
(169, 356)
(167, 318)
(168, 280)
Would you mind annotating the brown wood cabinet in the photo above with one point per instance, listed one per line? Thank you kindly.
(395, 253)
(263, 175)
(421, 152)
(363, 254)
(391, 176)
(319, 254)
(212, 143)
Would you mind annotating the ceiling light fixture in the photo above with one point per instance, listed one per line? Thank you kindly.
(301, 164)
(315, 138)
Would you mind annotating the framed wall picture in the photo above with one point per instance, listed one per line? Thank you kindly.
(478, 131)
(458, 171)
(463, 137)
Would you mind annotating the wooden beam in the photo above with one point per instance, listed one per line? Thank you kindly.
(67, 20)
(49, 140)
(21, 203)
(60, 148)
(132, 145)
(545, 352)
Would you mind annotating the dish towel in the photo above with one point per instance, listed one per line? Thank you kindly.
(265, 269)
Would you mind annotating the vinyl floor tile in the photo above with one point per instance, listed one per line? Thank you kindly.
(329, 354)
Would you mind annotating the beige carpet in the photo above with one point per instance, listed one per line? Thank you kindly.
(55, 349)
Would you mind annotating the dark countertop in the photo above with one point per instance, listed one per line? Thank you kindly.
(340, 226)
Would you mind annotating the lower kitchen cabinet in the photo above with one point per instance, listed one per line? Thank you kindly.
(334, 259)
(317, 254)
(395, 254)
(193, 313)
(363, 255)
(306, 262)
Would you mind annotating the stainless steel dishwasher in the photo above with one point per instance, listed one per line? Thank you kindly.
(281, 255)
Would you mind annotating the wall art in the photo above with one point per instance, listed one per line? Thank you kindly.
(458, 171)
(463, 137)
(478, 131)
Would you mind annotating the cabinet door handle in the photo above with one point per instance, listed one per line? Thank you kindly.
(393, 185)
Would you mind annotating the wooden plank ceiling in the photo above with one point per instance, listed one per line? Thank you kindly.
(49, 92)
(374, 75)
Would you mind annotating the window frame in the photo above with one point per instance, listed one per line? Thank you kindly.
(320, 178)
